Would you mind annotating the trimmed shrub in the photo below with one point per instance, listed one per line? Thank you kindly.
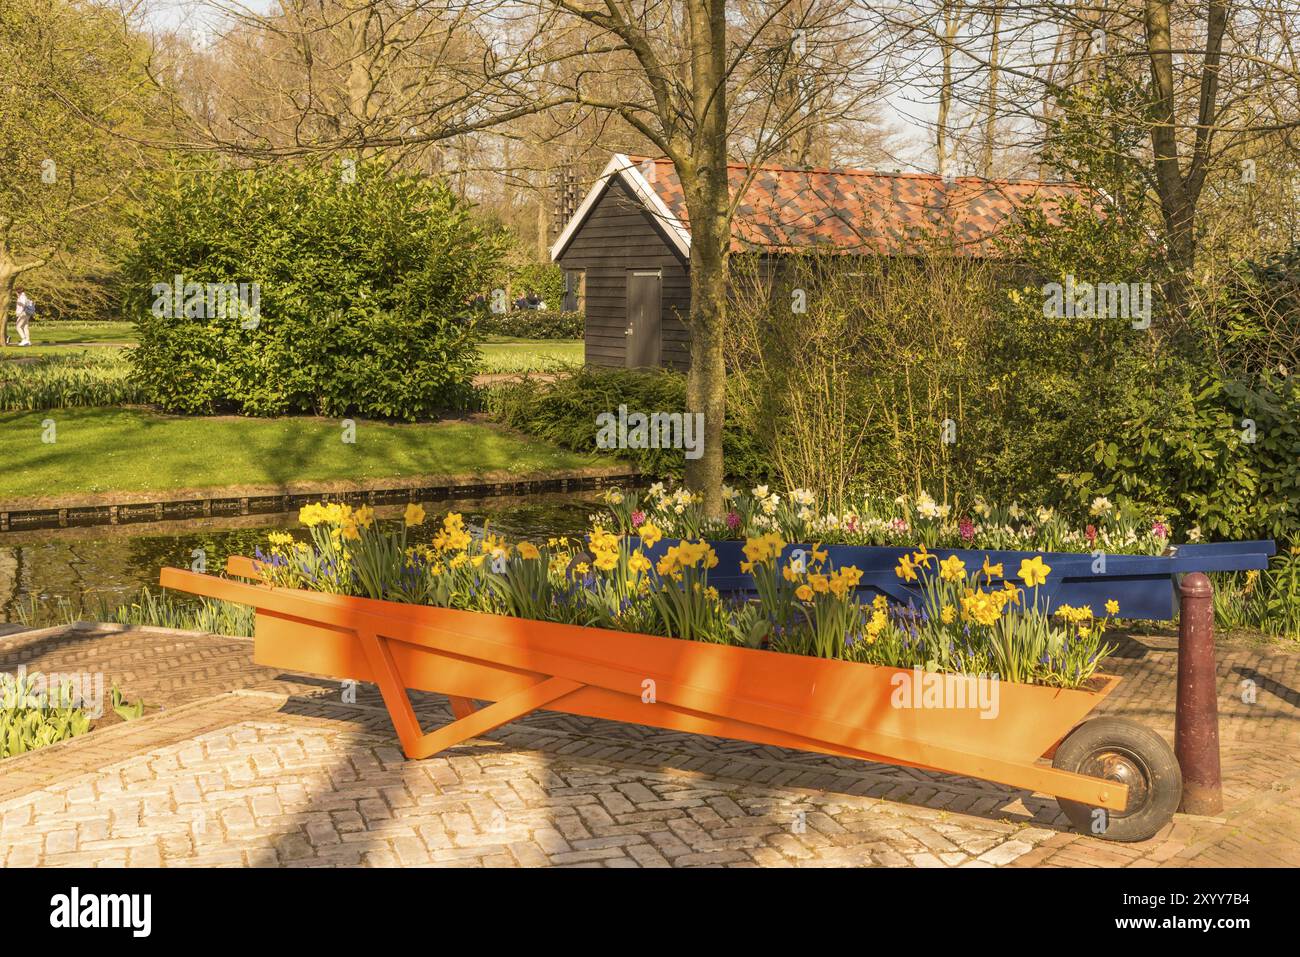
(533, 324)
(357, 298)
(564, 412)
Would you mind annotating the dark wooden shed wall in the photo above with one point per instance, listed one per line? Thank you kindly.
(619, 234)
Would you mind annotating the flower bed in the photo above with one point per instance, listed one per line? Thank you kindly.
(972, 619)
(1126, 558)
(904, 521)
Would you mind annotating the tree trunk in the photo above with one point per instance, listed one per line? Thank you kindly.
(702, 171)
(991, 112)
(706, 384)
(1180, 193)
(943, 144)
(6, 301)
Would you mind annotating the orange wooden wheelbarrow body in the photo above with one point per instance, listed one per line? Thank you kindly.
(791, 701)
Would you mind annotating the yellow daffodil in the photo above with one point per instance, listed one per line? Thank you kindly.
(952, 569)
(906, 569)
(527, 550)
(764, 548)
(991, 571)
(878, 623)
(1076, 616)
(311, 514)
(650, 534)
(803, 593)
(1033, 572)
(414, 514)
(982, 607)
(1112, 607)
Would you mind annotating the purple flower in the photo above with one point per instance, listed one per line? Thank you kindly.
(637, 518)
(733, 520)
(1160, 530)
(967, 529)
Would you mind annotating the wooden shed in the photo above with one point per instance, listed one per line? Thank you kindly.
(626, 250)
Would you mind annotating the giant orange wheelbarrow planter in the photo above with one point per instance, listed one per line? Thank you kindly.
(1114, 778)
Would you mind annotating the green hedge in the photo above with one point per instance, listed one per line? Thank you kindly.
(1214, 452)
(564, 412)
(533, 324)
(366, 282)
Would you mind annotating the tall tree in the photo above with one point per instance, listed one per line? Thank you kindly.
(71, 79)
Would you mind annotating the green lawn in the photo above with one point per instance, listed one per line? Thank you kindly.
(104, 450)
(529, 355)
(500, 355)
(64, 333)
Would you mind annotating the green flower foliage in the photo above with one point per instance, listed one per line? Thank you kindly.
(31, 718)
(366, 283)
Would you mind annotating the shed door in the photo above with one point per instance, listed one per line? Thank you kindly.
(643, 327)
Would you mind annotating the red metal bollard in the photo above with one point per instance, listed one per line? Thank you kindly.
(1196, 727)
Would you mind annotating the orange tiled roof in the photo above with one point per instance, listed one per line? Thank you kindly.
(862, 210)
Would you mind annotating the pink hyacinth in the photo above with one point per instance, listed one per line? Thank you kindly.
(1090, 533)
(967, 529)
(1160, 530)
(637, 518)
(733, 520)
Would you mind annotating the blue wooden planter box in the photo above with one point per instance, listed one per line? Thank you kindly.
(1144, 585)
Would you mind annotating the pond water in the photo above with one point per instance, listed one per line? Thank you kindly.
(87, 566)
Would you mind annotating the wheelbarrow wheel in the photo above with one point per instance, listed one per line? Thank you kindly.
(1133, 754)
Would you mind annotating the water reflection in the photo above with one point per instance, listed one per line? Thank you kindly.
(114, 564)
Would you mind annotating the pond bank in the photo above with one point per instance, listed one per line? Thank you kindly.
(91, 510)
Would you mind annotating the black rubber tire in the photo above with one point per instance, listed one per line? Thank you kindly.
(1122, 750)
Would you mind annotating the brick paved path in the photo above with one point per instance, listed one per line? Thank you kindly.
(246, 766)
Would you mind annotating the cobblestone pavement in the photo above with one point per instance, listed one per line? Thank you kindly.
(246, 766)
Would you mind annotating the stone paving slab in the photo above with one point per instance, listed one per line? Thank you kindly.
(289, 790)
(250, 767)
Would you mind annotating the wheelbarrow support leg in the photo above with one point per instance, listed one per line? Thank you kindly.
(469, 724)
(1196, 728)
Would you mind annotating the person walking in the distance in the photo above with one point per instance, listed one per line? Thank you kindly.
(24, 310)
